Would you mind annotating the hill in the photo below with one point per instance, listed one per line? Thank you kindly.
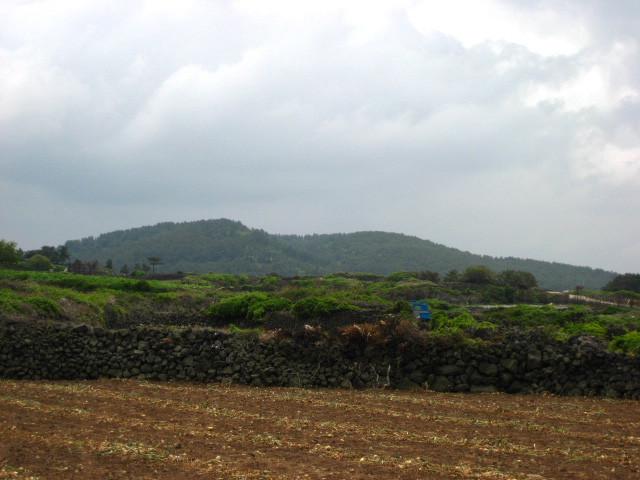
(226, 246)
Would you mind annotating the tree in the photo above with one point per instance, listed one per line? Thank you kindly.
(452, 276)
(57, 256)
(39, 262)
(89, 268)
(428, 276)
(109, 264)
(153, 261)
(63, 254)
(125, 269)
(9, 255)
(629, 282)
(518, 278)
(479, 274)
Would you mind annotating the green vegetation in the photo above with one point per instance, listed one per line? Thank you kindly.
(228, 247)
(627, 343)
(9, 255)
(318, 306)
(489, 307)
(252, 306)
(39, 263)
(44, 307)
(629, 282)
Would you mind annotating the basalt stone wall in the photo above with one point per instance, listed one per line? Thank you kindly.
(518, 364)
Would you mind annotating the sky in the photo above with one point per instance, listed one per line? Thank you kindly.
(499, 127)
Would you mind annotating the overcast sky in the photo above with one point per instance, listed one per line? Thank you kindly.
(500, 127)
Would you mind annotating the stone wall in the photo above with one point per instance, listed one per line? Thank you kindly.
(525, 363)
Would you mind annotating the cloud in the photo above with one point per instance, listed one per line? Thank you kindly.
(482, 125)
(538, 26)
(599, 81)
(608, 162)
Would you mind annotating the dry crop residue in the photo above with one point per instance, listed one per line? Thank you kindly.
(142, 430)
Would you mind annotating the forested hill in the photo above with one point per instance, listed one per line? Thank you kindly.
(226, 246)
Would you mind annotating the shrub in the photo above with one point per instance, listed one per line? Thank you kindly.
(252, 306)
(463, 321)
(223, 279)
(627, 343)
(76, 282)
(258, 310)
(317, 306)
(401, 307)
(593, 329)
(39, 263)
(612, 310)
(435, 304)
(235, 307)
(269, 283)
(10, 302)
(141, 286)
(166, 298)
(576, 314)
(44, 306)
(400, 276)
(479, 275)
(498, 295)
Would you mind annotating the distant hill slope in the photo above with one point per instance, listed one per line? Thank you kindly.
(226, 246)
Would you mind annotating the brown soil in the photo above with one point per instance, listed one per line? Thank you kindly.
(139, 430)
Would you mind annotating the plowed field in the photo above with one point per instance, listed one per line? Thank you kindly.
(114, 429)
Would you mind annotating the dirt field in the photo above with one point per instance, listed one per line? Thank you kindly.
(113, 429)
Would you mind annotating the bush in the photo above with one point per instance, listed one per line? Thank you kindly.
(318, 306)
(44, 306)
(222, 279)
(39, 263)
(612, 310)
(441, 323)
(10, 302)
(400, 276)
(252, 306)
(235, 307)
(435, 304)
(269, 283)
(493, 294)
(141, 286)
(479, 275)
(593, 329)
(627, 343)
(258, 310)
(401, 307)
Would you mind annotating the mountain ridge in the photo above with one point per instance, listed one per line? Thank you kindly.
(228, 246)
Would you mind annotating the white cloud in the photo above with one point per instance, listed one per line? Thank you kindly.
(603, 160)
(600, 81)
(546, 31)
